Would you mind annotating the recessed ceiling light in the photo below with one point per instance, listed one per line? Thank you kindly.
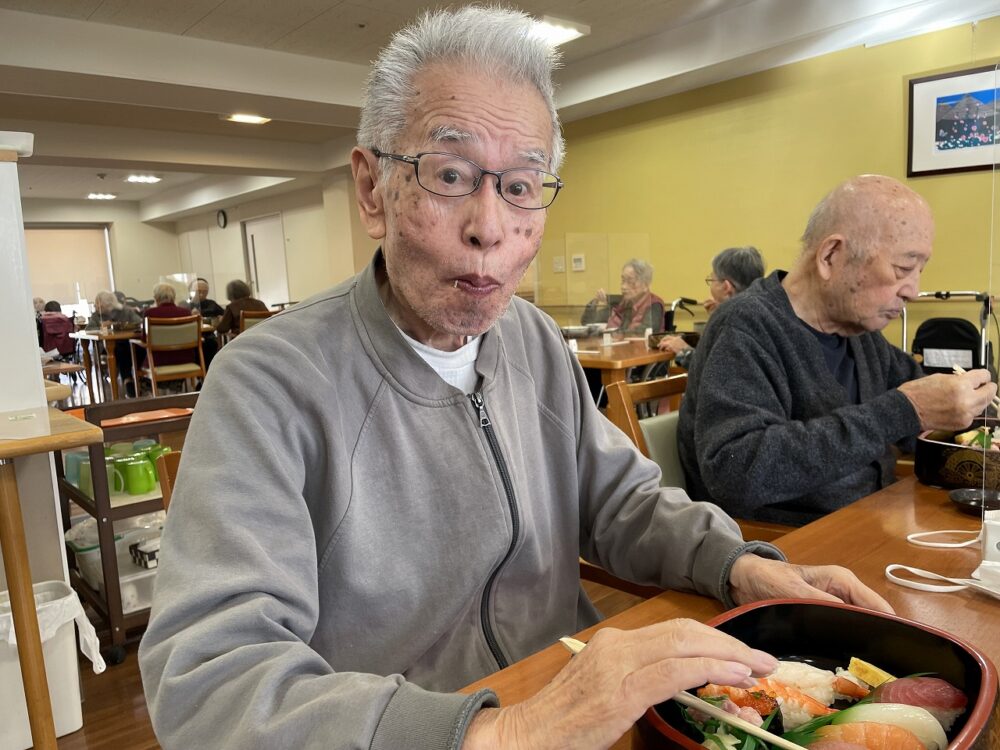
(558, 31)
(250, 119)
(102, 196)
(144, 178)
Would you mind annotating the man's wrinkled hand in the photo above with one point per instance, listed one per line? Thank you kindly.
(754, 578)
(605, 688)
(950, 402)
(673, 344)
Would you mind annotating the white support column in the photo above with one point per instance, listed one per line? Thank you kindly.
(21, 385)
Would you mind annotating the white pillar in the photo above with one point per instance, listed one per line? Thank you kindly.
(21, 385)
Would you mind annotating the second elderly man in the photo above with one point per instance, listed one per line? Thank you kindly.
(796, 399)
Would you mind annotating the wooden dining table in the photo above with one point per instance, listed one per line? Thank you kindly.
(50, 430)
(614, 360)
(101, 338)
(865, 536)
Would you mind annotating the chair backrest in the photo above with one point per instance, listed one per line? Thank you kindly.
(250, 318)
(655, 437)
(166, 469)
(167, 334)
(56, 329)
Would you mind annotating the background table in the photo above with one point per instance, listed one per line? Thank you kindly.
(85, 337)
(63, 431)
(865, 536)
(614, 361)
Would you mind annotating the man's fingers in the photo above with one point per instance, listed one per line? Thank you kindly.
(847, 586)
(662, 680)
(682, 638)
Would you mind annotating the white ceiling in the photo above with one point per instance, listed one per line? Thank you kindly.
(113, 85)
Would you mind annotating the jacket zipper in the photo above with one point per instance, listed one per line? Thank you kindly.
(515, 522)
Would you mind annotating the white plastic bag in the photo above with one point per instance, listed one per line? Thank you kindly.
(56, 604)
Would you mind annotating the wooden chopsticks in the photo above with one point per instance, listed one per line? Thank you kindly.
(958, 370)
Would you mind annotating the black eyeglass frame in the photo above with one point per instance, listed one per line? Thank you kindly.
(414, 161)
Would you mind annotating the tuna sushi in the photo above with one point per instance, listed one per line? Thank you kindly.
(941, 699)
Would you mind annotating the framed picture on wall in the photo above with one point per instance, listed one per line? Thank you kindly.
(953, 122)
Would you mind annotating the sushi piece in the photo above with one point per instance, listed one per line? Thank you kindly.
(940, 698)
(796, 707)
(821, 684)
(871, 735)
(757, 700)
(875, 724)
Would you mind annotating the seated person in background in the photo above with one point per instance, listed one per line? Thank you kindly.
(199, 300)
(210, 310)
(107, 309)
(55, 328)
(419, 467)
(164, 295)
(238, 294)
(39, 304)
(733, 270)
(795, 400)
(639, 308)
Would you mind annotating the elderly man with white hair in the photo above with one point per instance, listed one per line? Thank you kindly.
(413, 466)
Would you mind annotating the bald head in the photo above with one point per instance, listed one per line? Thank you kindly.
(869, 211)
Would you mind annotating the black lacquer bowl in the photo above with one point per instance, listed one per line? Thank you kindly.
(828, 635)
(940, 462)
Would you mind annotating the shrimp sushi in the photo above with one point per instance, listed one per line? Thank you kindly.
(796, 707)
(871, 735)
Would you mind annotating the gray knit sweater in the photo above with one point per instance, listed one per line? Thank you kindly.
(765, 429)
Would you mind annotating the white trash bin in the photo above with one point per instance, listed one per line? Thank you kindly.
(57, 607)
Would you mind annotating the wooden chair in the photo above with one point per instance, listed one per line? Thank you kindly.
(250, 318)
(166, 469)
(656, 438)
(169, 335)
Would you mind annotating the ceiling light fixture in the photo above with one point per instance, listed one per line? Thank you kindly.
(558, 31)
(149, 179)
(249, 119)
(102, 196)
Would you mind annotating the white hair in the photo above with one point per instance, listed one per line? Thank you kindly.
(496, 40)
(107, 301)
(164, 293)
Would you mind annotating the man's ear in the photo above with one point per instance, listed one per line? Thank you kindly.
(831, 252)
(368, 191)
(730, 289)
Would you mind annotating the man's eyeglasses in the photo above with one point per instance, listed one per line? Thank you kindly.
(710, 280)
(452, 176)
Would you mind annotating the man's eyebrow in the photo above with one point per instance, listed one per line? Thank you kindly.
(537, 157)
(451, 134)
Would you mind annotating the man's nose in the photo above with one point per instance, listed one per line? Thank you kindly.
(484, 227)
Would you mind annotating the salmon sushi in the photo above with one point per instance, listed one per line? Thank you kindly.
(871, 735)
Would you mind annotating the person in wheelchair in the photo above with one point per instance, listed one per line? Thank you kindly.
(733, 270)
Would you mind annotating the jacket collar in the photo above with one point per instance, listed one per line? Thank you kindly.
(402, 367)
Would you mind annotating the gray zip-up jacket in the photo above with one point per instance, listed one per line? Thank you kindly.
(351, 539)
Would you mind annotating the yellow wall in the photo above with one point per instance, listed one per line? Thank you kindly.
(744, 162)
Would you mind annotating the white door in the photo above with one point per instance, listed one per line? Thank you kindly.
(266, 259)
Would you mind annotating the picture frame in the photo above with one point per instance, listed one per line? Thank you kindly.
(953, 122)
